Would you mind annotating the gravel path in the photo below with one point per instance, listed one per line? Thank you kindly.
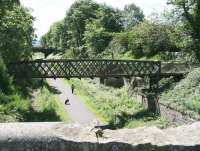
(77, 111)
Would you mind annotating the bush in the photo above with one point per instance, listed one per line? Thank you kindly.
(148, 39)
(5, 80)
(97, 39)
(119, 43)
(13, 108)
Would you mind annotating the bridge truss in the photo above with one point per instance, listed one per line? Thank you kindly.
(86, 69)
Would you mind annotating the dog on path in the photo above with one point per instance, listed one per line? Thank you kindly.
(66, 101)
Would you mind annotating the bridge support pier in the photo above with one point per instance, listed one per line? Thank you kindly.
(102, 80)
(152, 101)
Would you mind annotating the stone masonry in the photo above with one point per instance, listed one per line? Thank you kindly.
(64, 137)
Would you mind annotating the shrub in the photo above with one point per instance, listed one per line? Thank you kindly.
(5, 80)
(150, 38)
(97, 39)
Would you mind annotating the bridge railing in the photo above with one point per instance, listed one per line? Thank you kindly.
(84, 68)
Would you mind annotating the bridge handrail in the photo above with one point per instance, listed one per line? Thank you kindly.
(77, 60)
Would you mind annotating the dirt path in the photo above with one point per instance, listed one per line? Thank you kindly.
(77, 111)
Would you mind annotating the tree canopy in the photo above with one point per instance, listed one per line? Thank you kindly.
(132, 15)
(93, 29)
(190, 11)
(16, 31)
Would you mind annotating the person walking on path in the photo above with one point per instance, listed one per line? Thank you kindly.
(72, 87)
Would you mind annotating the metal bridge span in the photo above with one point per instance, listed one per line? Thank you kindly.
(155, 70)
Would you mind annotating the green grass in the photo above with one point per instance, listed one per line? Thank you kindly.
(13, 108)
(115, 106)
(48, 107)
(185, 95)
(18, 108)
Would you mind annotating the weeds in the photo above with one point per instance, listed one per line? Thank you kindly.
(115, 106)
(185, 95)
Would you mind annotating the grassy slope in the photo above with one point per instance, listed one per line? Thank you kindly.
(13, 108)
(18, 108)
(48, 107)
(185, 96)
(115, 105)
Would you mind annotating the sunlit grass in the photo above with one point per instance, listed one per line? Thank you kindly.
(115, 106)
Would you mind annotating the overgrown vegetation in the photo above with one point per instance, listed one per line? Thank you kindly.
(46, 107)
(184, 96)
(13, 106)
(115, 106)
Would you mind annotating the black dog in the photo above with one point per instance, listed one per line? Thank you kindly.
(66, 101)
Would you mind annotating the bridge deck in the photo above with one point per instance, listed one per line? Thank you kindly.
(84, 68)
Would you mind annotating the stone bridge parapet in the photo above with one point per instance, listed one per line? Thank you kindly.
(66, 137)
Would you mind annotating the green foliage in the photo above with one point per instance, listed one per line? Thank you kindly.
(13, 108)
(190, 11)
(149, 38)
(87, 25)
(57, 36)
(7, 4)
(77, 16)
(16, 32)
(48, 107)
(116, 106)
(132, 15)
(109, 19)
(97, 39)
(5, 80)
(185, 95)
(119, 43)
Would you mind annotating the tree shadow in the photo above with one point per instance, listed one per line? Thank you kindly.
(52, 89)
(26, 87)
(168, 83)
(44, 116)
(120, 120)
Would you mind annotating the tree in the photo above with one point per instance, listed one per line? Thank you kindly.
(109, 18)
(56, 37)
(5, 80)
(190, 11)
(99, 31)
(7, 5)
(150, 38)
(16, 32)
(77, 16)
(96, 38)
(132, 15)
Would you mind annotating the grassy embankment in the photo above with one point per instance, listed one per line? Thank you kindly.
(185, 95)
(18, 106)
(115, 106)
(46, 107)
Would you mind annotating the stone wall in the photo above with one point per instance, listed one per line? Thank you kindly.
(64, 137)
